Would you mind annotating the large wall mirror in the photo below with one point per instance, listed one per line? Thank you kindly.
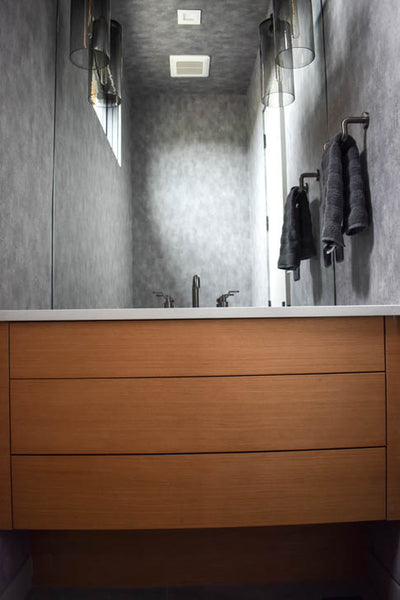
(191, 186)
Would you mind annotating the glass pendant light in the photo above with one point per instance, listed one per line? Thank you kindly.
(294, 33)
(105, 82)
(90, 32)
(277, 84)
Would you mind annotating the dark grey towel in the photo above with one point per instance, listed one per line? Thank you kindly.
(345, 208)
(355, 216)
(297, 241)
(332, 173)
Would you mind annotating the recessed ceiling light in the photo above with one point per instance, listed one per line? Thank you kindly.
(189, 17)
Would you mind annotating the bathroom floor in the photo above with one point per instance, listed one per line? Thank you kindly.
(324, 591)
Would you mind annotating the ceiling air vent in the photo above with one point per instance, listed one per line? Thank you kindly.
(189, 66)
(189, 17)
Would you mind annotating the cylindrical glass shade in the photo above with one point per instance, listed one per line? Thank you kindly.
(90, 32)
(294, 33)
(105, 83)
(277, 84)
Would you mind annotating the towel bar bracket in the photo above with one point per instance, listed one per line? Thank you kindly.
(303, 186)
(363, 120)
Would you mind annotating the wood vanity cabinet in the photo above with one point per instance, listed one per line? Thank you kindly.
(197, 424)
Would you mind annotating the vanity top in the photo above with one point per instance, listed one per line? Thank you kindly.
(129, 314)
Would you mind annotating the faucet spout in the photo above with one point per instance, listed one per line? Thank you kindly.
(195, 291)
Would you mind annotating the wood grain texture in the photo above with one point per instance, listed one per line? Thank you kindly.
(222, 414)
(393, 416)
(193, 348)
(198, 557)
(198, 490)
(5, 476)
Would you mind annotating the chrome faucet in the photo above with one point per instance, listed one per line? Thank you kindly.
(195, 291)
(222, 301)
(169, 302)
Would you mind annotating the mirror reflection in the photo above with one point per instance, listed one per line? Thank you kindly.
(175, 181)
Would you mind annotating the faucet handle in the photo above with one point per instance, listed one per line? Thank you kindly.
(169, 302)
(222, 301)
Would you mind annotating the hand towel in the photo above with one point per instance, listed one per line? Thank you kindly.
(332, 173)
(345, 207)
(297, 241)
(355, 216)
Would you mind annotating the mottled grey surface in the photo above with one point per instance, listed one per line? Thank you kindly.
(362, 49)
(257, 192)
(191, 202)
(93, 245)
(306, 132)
(27, 56)
(228, 33)
(291, 591)
(14, 551)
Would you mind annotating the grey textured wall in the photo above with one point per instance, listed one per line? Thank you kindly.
(306, 133)
(362, 54)
(93, 245)
(257, 192)
(191, 207)
(27, 58)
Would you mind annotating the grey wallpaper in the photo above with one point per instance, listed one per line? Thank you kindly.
(362, 48)
(27, 57)
(93, 245)
(306, 132)
(191, 198)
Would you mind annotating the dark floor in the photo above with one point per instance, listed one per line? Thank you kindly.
(325, 591)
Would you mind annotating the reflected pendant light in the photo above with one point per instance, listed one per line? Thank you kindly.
(277, 84)
(105, 83)
(90, 32)
(294, 33)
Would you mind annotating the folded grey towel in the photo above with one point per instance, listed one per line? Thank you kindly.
(355, 216)
(345, 208)
(332, 173)
(297, 241)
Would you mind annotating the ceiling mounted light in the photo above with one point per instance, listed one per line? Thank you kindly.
(294, 33)
(277, 84)
(105, 83)
(90, 32)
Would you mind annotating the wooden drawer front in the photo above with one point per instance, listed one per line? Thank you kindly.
(198, 490)
(222, 414)
(190, 348)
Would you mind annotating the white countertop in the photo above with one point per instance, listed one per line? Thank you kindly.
(139, 314)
